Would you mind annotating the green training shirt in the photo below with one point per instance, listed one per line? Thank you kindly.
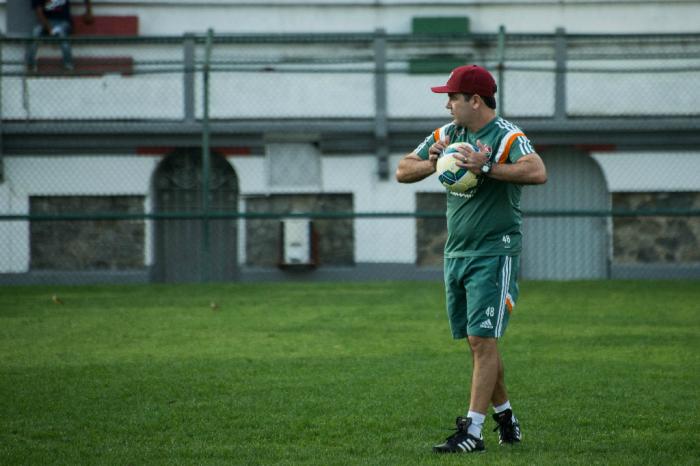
(485, 220)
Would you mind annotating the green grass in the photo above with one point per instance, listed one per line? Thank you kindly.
(337, 374)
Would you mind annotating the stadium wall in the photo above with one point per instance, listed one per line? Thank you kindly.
(670, 90)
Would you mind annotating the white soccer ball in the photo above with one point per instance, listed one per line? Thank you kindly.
(452, 177)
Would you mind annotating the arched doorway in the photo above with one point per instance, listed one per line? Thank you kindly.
(574, 247)
(180, 244)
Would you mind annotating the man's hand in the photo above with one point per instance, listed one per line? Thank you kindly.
(436, 149)
(39, 12)
(412, 168)
(473, 160)
(87, 17)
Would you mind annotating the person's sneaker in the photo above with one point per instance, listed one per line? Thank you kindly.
(461, 441)
(508, 427)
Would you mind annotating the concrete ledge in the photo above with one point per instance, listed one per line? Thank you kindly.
(656, 271)
(59, 277)
(359, 272)
(356, 273)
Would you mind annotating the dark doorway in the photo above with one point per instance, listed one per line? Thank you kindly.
(181, 244)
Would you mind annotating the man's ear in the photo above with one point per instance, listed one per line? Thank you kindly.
(476, 102)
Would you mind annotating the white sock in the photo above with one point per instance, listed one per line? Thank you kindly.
(503, 407)
(477, 423)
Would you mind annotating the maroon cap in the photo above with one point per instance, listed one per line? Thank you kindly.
(469, 79)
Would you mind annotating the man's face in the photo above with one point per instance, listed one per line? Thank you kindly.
(461, 108)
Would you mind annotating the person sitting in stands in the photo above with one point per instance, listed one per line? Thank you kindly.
(55, 20)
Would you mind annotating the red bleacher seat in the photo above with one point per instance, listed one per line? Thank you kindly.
(107, 26)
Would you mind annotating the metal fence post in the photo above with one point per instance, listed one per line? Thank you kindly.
(2, 66)
(501, 67)
(188, 58)
(380, 104)
(206, 246)
(560, 75)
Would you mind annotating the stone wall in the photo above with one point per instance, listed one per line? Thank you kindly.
(87, 244)
(431, 233)
(656, 239)
(336, 239)
(671, 239)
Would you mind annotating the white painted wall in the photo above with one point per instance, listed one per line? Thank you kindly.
(672, 91)
(350, 95)
(106, 97)
(647, 171)
(173, 17)
(582, 16)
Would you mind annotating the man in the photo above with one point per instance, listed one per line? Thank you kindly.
(55, 20)
(482, 252)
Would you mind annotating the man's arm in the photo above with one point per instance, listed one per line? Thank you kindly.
(39, 11)
(412, 168)
(87, 17)
(528, 169)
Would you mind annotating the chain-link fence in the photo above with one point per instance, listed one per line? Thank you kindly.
(103, 177)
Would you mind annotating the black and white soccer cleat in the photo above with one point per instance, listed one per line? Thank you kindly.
(461, 441)
(508, 427)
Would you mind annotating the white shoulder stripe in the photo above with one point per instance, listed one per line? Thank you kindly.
(507, 125)
(442, 131)
(525, 145)
(504, 143)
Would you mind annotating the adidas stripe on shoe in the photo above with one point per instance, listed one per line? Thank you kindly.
(508, 427)
(461, 441)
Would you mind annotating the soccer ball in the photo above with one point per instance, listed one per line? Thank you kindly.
(454, 178)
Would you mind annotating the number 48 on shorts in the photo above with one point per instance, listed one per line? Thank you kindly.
(481, 294)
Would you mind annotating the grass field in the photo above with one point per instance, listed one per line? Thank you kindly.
(336, 374)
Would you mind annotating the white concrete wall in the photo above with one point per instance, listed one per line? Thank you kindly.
(581, 16)
(669, 91)
(351, 95)
(173, 17)
(106, 97)
(650, 171)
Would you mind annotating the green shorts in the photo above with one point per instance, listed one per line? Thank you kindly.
(481, 293)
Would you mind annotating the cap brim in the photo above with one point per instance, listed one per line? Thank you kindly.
(442, 90)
